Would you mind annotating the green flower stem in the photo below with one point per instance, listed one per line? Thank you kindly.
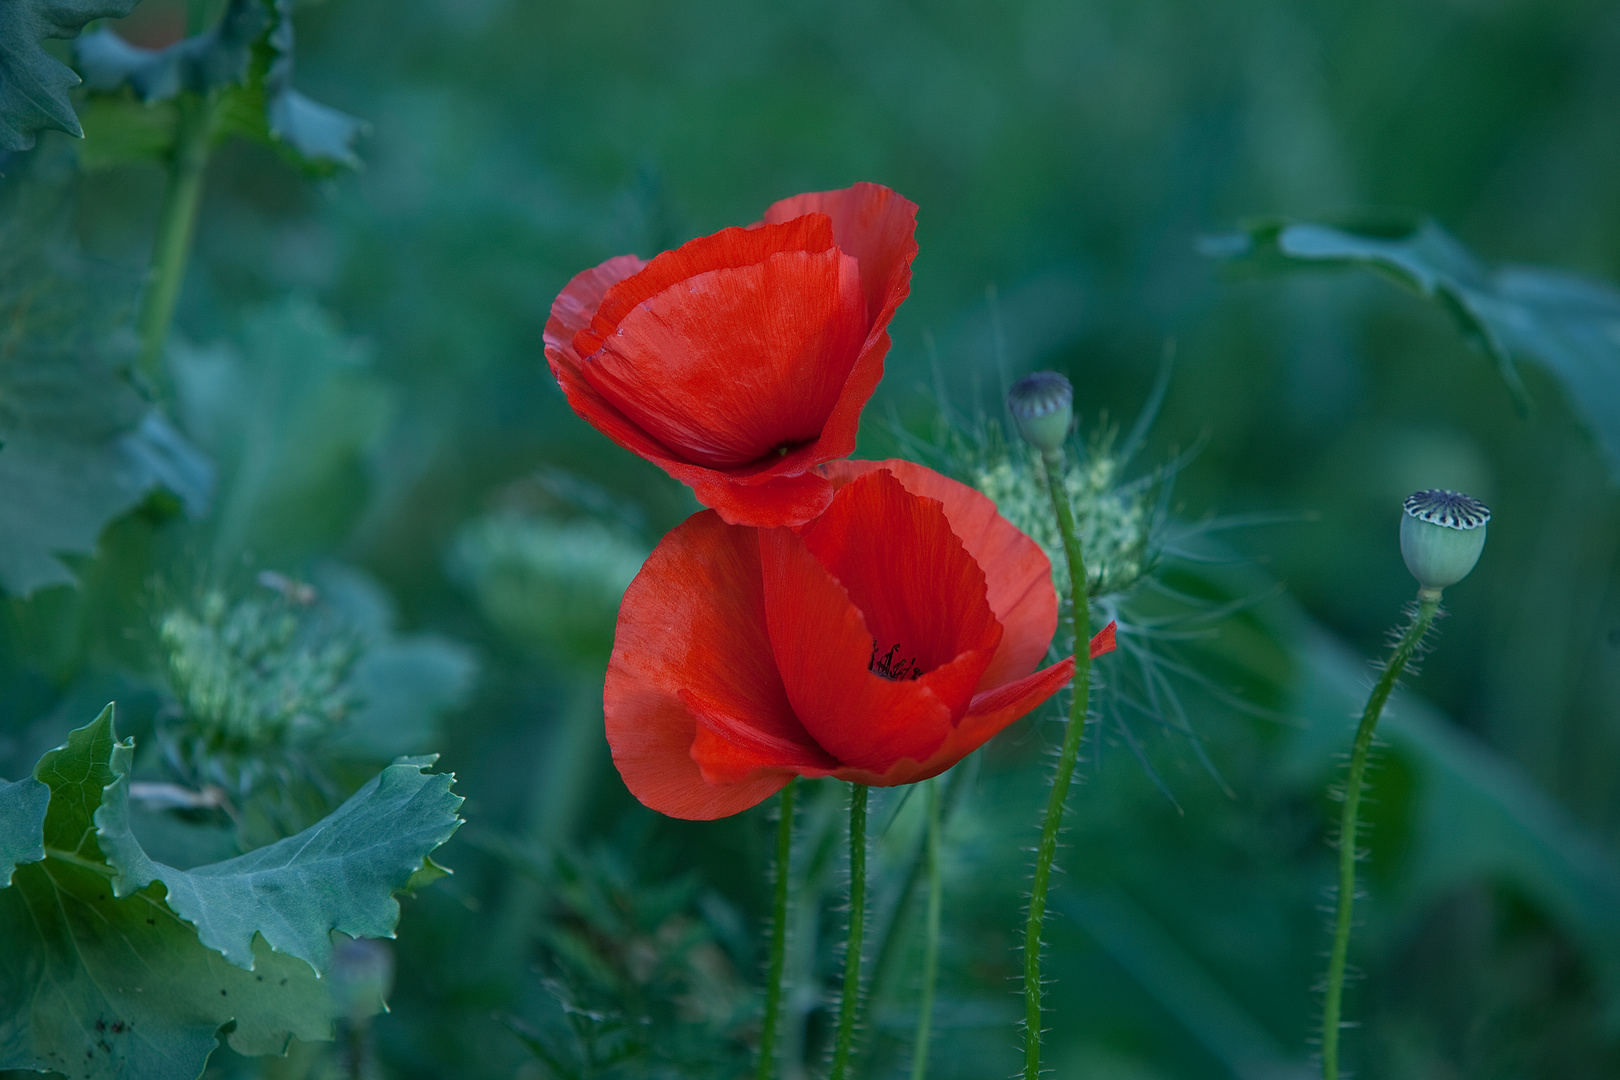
(773, 983)
(850, 1003)
(189, 160)
(930, 971)
(1428, 604)
(1055, 805)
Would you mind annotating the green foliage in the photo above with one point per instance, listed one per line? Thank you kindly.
(33, 83)
(78, 445)
(117, 965)
(293, 417)
(640, 982)
(22, 824)
(1567, 323)
(550, 583)
(240, 676)
(245, 61)
(277, 691)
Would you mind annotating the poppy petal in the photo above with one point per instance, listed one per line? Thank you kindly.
(876, 225)
(580, 299)
(729, 749)
(571, 312)
(1103, 641)
(691, 633)
(908, 573)
(730, 366)
(789, 499)
(823, 650)
(727, 249)
(1018, 575)
(993, 710)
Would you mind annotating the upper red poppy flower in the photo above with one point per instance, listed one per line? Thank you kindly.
(740, 361)
(880, 643)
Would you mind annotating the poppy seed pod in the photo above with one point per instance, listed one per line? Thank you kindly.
(1043, 405)
(1442, 534)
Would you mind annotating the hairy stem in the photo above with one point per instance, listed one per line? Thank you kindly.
(1055, 805)
(779, 904)
(850, 1003)
(176, 226)
(1428, 604)
(930, 971)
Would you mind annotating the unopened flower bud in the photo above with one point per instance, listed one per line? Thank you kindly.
(1442, 535)
(1043, 406)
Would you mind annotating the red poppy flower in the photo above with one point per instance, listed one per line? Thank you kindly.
(741, 361)
(880, 643)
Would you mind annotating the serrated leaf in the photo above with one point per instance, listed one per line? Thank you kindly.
(338, 874)
(78, 445)
(1568, 324)
(248, 60)
(96, 986)
(22, 824)
(33, 83)
(214, 59)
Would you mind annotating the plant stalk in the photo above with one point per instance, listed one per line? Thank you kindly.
(930, 971)
(1080, 601)
(778, 962)
(176, 227)
(1428, 604)
(850, 1003)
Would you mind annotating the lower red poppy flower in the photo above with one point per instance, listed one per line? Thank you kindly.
(880, 643)
(741, 361)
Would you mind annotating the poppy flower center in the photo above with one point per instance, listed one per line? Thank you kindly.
(892, 666)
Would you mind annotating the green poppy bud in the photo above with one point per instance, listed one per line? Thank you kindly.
(1043, 406)
(1442, 535)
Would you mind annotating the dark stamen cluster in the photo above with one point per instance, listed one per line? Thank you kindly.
(891, 667)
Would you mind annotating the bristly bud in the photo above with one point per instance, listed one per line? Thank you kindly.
(1442, 534)
(1043, 405)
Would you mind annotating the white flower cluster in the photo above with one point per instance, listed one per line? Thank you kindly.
(1115, 522)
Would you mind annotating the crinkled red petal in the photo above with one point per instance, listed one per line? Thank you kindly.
(874, 224)
(692, 635)
(907, 572)
(725, 250)
(990, 713)
(1018, 575)
(822, 649)
(730, 367)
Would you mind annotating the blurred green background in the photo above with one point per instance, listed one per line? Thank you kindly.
(1066, 159)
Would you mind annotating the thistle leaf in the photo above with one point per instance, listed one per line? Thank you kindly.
(104, 976)
(33, 83)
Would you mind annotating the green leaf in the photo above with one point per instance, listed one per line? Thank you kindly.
(33, 83)
(1567, 323)
(293, 418)
(338, 874)
(22, 824)
(78, 445)
(212, 60)
(247, 60)
(96, 986)
(103, 975)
